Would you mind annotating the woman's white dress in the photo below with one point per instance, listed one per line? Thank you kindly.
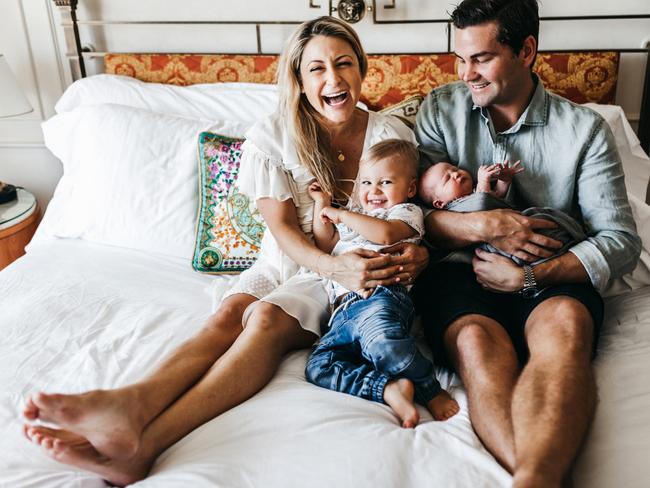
(270, 169)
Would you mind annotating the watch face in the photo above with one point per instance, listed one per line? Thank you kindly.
(529, 292)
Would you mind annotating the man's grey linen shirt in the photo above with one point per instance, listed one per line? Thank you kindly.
(570, 159)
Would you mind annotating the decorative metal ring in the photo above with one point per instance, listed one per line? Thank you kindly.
(352, 11)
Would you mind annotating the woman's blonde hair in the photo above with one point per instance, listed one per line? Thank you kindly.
(311, 140)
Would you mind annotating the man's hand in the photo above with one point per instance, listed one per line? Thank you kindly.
(331, 215)
(514, 234)
(497, 273)
(411, 258)
(318, 195)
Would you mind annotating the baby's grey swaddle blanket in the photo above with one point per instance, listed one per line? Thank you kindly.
(568, 231)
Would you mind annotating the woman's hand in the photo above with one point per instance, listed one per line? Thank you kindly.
(412, 259)
(360, 269)
(497, 273)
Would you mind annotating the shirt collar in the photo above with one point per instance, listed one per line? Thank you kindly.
(535, 113)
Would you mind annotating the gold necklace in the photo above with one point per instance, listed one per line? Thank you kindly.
(341, 156)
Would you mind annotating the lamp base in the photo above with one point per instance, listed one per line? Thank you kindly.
(7, 192)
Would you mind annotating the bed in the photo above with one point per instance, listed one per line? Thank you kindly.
(107, 287)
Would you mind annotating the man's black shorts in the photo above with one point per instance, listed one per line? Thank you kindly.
(447, 291)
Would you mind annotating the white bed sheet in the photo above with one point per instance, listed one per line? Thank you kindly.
(77, 316)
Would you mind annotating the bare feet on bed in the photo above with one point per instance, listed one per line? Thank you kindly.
(75, 450)
(107, 419)
(443, 406)
(399, 396)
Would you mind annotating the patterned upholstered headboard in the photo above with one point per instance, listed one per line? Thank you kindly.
(580, 76)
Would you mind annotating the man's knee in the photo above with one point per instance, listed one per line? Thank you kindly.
(560, 326)
(475, 337)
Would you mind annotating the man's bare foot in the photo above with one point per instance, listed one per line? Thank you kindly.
(443, 406)
(107, 419)
(68, 448)
(399, 396)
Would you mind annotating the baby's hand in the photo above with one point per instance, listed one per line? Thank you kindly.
(507, 172)
(318, 195)
(331, 215)
(485, 175)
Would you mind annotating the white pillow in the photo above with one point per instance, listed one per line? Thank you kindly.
(636, 163)
(130, 177)
(246, 102)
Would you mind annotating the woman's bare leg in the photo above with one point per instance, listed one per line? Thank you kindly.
(241, 372)
(113, 420)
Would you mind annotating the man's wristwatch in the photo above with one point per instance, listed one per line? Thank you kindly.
(530, 283)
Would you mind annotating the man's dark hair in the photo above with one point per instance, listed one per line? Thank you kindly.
(517, 19)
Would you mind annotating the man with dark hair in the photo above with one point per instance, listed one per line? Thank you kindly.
(522, 338)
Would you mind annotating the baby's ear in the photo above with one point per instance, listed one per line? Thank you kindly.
(413, 188)
(438, 204)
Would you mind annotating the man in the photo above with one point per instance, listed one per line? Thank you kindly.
(522, 339)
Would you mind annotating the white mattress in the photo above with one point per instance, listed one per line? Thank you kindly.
(76, 316)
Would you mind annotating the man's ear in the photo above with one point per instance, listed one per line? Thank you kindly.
(528, 51)
(438, 204)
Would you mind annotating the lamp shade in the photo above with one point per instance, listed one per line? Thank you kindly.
(12, 98)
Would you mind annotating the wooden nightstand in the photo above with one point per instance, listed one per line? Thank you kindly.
(18, 222)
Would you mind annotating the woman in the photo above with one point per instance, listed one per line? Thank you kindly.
(318, 133)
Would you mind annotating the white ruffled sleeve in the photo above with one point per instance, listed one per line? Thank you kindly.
(262, 176)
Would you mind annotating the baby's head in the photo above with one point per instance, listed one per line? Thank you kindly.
(387, 174)
(443, 183)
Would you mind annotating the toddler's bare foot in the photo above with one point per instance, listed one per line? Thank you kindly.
(398, 395)
(75, 450)
(107, 419)
(443, 406)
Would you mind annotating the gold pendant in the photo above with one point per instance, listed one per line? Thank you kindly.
(341, 156)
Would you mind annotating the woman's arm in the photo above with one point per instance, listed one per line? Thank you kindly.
(355, 270)
(383, 232)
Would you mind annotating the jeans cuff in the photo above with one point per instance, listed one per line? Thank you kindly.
(377, 386)
(426, 391)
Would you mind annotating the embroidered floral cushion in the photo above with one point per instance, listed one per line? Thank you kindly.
(229, 227)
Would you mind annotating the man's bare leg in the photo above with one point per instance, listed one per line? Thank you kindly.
(487, 363)
(113, 420)
(554, 401)
(240, 373)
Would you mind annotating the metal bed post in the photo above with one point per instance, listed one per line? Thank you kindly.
(73, 42)
(644, 113)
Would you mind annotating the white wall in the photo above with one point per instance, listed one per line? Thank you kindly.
(32, 41)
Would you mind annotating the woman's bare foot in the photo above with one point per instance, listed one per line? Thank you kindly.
(75, 450)
(399, 396)
(107, 419)
(443, 406)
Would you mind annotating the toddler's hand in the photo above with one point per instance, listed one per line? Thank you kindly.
(318, 195)
(507, 172)
(365, 292)
(331, 215)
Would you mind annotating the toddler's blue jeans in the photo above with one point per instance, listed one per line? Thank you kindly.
(368, 344)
